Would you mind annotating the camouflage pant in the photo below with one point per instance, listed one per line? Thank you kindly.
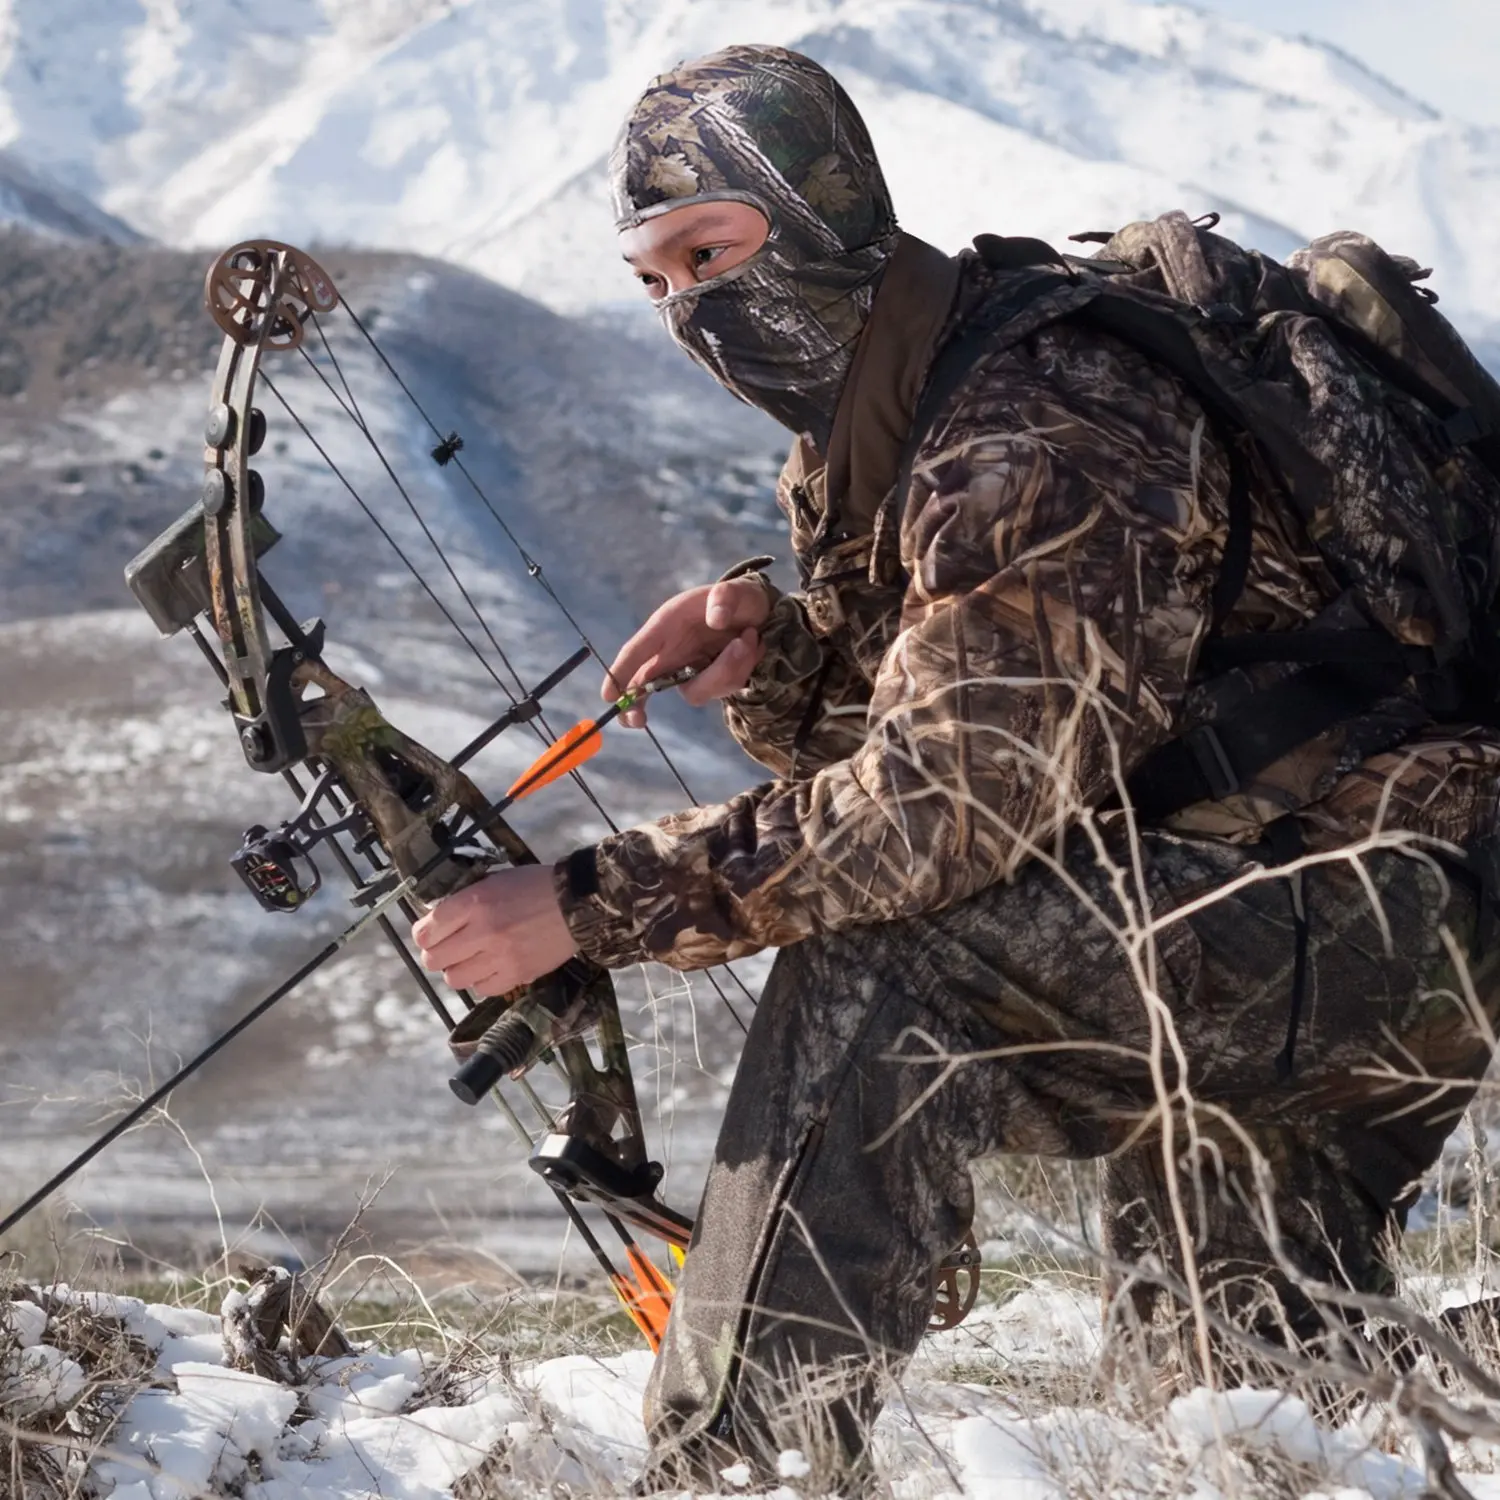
(841, 1177)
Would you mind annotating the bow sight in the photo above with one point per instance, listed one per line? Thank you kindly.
(278, 867)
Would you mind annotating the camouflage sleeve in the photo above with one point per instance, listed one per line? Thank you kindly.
(1061, 543)
(805, 706)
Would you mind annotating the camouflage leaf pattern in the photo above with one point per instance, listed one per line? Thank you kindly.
(1064, 532)
(841, 1176)
(763, 123)
(771, 128)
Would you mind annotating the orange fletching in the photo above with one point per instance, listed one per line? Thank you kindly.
(566, 753)
(630, 1302)
(648, 1299)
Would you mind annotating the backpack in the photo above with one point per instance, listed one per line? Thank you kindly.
(1335, 375)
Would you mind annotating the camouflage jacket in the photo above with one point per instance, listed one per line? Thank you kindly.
(1061, 539)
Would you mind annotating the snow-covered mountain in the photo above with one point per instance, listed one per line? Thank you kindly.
(475, 130)
(30, 199)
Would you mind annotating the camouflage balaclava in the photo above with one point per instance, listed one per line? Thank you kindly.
(768, 127)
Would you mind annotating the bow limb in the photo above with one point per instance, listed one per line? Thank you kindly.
(261, 294)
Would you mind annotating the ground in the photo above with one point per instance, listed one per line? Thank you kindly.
(486, 1387)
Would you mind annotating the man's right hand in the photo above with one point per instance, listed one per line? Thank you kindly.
(715, 627)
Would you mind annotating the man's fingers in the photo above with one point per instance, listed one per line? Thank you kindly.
(493, 984)
(446, 916)
(728, 673)
(624, 667)
(663, 633)
(683, 632)
(456, 948)
(635, 718)
(476, 973)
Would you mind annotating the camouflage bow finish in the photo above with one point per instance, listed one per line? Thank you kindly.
(414, 819)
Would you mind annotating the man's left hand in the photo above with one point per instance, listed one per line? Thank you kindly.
(500, 932)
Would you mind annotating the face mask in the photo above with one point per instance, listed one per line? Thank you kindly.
(771, 128)
(780, 331)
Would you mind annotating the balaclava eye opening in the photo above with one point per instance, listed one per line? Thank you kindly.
(768, 127)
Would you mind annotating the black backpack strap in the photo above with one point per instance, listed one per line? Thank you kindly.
(1283, 844)
(1217, 760)
(1314, 644)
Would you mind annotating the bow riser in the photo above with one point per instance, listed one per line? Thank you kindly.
(406, 791)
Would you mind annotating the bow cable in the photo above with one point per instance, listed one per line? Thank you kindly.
(450, 444)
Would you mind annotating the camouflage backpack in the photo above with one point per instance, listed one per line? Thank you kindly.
(1335, 375)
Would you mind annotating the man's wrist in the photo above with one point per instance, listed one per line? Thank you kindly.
(602, 934)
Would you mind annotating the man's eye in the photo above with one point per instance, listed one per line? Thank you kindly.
(650, 281)
(705, 254)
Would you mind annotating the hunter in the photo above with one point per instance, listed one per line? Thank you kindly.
(1013, 563)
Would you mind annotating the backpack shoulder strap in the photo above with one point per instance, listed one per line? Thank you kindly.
(1158, 332)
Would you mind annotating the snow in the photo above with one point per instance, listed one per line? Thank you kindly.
(39, 1378)
(406, 1425)
(476, 130)
(1271, 1420)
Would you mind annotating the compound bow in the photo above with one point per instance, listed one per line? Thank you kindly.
(417, 827)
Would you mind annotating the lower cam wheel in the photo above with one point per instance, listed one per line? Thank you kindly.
(956, 1286)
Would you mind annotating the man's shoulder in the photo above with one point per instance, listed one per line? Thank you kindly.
(1068, 383)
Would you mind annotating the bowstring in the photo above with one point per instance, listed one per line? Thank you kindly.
(356, 415)
(540, 727)
(376, 522)
(535, 571)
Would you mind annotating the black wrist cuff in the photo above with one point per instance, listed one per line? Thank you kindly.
(581, 871)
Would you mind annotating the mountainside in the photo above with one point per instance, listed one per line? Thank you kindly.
(476, 130)
(29, 199)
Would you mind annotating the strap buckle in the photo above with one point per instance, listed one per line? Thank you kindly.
(1213, 761)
